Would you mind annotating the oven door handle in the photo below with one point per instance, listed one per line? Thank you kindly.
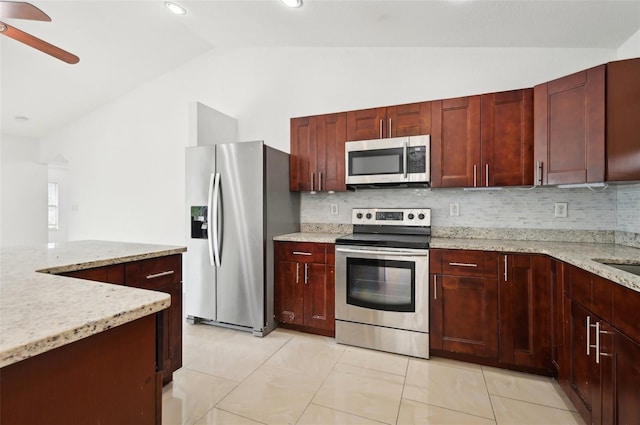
(416, 252)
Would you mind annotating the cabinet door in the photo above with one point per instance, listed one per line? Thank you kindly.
(288, 292)
(455, 142)
(569, 117)
(525, 311)
(331, 134)
(366, 124)
(303, 158)
(319, 296)
(623, 125)
(507, 138)
(583, 377)
(412, 119)
(626, 402)
(465, 315)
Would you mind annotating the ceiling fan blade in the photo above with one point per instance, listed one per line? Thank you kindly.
(36, 43)
(22, 10)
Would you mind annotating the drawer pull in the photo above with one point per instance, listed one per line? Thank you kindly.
(161, 274)
(301, 253)
(463, 264)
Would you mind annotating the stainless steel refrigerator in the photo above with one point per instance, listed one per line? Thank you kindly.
(238, 199)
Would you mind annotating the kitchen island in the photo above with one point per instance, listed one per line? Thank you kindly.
(77, 351)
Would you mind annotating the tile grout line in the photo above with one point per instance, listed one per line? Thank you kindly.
(486, 386)
(404, 383)
(320, 386)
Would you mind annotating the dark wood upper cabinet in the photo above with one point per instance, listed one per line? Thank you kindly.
(317, 153)
(412, 119)
(507, 139)
(455, 142)
(569, 130)
(623, 120)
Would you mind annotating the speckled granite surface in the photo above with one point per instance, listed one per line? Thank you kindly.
(40, 311)
(309, 237)
(579, 254)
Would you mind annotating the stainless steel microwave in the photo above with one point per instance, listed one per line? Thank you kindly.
(393, 161)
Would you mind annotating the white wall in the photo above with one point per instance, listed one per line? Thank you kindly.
(126, 160)
(630, 48)
(23, 193)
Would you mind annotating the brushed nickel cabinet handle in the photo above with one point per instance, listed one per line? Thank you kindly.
(301, 253)
(475, 175)
(588, 335)
(161, 274)
(486, 175)
(381, 128)
(389, 129)
(312, 181)
(297, 272)
(319, 181)
(435, 287)
(463, 264)
(306, 273)
(506, 276)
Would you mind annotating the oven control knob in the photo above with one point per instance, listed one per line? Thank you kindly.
(368, 216)
(421, 216)
(411, 216)
(359, 215)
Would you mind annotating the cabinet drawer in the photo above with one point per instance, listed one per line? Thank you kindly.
(592, 291)
(154, 273)
(463, 263)
(301, 252)
(626, 314)
(108, 274)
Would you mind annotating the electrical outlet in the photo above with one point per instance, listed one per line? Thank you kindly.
(560, 210)
(454, 209)
(334, 209)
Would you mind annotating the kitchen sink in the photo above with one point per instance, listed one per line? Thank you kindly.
(629, 268)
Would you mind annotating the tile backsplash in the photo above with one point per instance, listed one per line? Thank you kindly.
(607, 212)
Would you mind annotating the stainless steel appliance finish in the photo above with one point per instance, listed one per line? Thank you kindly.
(394, 161)
(382, 275)
(238, 199)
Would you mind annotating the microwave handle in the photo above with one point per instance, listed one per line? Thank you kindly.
(404, 159)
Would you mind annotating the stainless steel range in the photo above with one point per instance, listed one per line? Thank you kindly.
(382, 281)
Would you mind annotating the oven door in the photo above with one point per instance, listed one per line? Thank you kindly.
(383, 286)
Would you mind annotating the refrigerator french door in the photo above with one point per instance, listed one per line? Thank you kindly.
(235, 209)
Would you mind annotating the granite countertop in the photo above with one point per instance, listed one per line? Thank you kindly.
(579, 254)
(40, 311)
(317, 237)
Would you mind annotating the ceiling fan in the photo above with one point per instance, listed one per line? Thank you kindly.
(23, 10)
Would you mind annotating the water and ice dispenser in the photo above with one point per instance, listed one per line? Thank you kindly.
(199, 224)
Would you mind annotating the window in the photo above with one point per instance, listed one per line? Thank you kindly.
(53, 206)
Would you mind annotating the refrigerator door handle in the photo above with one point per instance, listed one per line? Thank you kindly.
(210, 225)
(212, 218)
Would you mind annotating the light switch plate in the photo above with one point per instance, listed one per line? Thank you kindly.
(454, 209)
(560, 210)
(334, 209)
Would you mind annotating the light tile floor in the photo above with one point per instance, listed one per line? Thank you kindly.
(232, 377)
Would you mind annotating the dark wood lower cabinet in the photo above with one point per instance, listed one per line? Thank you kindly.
(464, 315)
(162, 274)
(604, 369)
(107, 378)
(304, 286)
(525, 311)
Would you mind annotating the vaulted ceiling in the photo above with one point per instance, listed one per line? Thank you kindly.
(123, 43)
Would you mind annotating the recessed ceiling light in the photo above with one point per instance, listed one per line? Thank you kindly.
(175, 8)
(292, 3)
